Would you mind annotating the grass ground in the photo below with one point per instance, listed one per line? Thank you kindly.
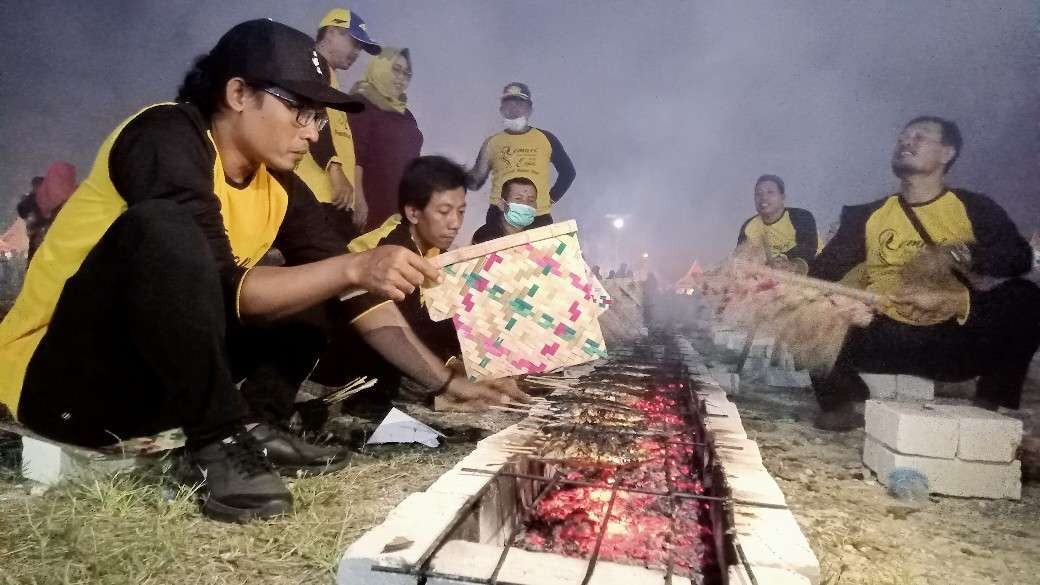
(142, 528)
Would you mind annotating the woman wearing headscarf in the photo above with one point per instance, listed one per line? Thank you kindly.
(386, 135)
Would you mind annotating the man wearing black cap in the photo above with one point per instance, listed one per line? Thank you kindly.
(148, 307)
(329, 169)
(522, 150)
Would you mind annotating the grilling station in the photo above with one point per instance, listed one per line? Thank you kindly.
(631, 470)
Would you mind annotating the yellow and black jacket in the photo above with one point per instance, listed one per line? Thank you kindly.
(164, 151)
(876, 240)
(393, 232)
(793, 236)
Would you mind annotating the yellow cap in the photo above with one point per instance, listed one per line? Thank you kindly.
(336, 17)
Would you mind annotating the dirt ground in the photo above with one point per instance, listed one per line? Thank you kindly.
(860, 534)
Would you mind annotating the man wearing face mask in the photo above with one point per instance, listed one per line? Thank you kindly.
(787, 234)
(522, 150)
(514, 213)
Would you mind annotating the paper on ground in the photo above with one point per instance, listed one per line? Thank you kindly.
(398, 427)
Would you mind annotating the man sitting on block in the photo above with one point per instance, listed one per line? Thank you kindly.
(947, 263)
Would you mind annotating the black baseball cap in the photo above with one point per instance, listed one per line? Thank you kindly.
(516, 91)
(270, 52)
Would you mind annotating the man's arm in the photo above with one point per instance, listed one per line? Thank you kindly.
(163, 154)
(805, 236)
(999, 250)
(565, 172)
(477, 175)
(847, 248)
(385, 329)
(742, 234)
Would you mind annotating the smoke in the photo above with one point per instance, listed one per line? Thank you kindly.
(670, 110)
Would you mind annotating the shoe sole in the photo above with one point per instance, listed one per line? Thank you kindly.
(222, 512)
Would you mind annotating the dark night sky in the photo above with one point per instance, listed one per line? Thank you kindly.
(670, 110)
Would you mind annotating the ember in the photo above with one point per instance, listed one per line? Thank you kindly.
(622, 490)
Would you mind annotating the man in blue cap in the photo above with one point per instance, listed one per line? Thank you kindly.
(329, 170)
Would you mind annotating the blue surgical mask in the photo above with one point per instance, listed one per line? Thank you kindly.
(519, 215)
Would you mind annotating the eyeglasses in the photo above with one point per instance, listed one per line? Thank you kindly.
(304, 115)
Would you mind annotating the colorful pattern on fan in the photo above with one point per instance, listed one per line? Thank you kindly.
(522, 304)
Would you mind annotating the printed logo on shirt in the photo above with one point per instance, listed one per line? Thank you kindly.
(893, 251)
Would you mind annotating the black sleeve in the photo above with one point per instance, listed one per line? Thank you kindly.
(847, 248)
(742, 234)
(806, 239)
(164, 154)
(323, 149)
(483, 234)
(564, 168)
(303, 236)
(999, 250)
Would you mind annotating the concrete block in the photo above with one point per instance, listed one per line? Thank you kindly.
(882, 386)
(783, 378)
(436, 511)
(50, 463)
(912, 429)
(772, 539)
(735, 340)
(984, 435)
(762, 347)
(952, 477)
(726, 379)
(738, 576)
(913, 388)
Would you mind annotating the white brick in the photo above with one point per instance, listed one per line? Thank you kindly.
(784, 378)
(882, 386)
(735, 341)
(985, 435)
(726, 379)
(50, 463)
(771, 538)
(436, 511)
(913, 388)
(765, 575)
(912, 429)
(951, 477)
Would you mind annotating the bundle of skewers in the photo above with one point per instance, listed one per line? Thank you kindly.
(807, 316)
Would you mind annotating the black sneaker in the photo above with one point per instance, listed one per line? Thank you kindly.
(294, 457)
(240, 484)
(840, 420)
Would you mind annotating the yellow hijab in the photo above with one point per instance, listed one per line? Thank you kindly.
(377, 85)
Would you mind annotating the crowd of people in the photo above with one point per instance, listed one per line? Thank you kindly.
(149, 305)
(948, 261)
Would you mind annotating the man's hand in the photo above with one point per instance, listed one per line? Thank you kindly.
(393, 272)
(485, 393)
(928, 306)
(360, 210)
(342, 190)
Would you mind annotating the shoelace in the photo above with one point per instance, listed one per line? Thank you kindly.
(246, 455)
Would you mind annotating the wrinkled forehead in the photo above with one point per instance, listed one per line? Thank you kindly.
(922, 128)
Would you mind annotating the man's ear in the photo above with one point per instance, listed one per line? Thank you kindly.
(948, 153)
(411, 214)
(236, 94)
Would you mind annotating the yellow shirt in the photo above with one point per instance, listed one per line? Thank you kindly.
(892, 241)
(521, 155)
(777, 237)
(316, 177)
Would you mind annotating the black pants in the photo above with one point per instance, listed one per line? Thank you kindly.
(996, 345)
(341, 222)
(494, 213)
(141, 340)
